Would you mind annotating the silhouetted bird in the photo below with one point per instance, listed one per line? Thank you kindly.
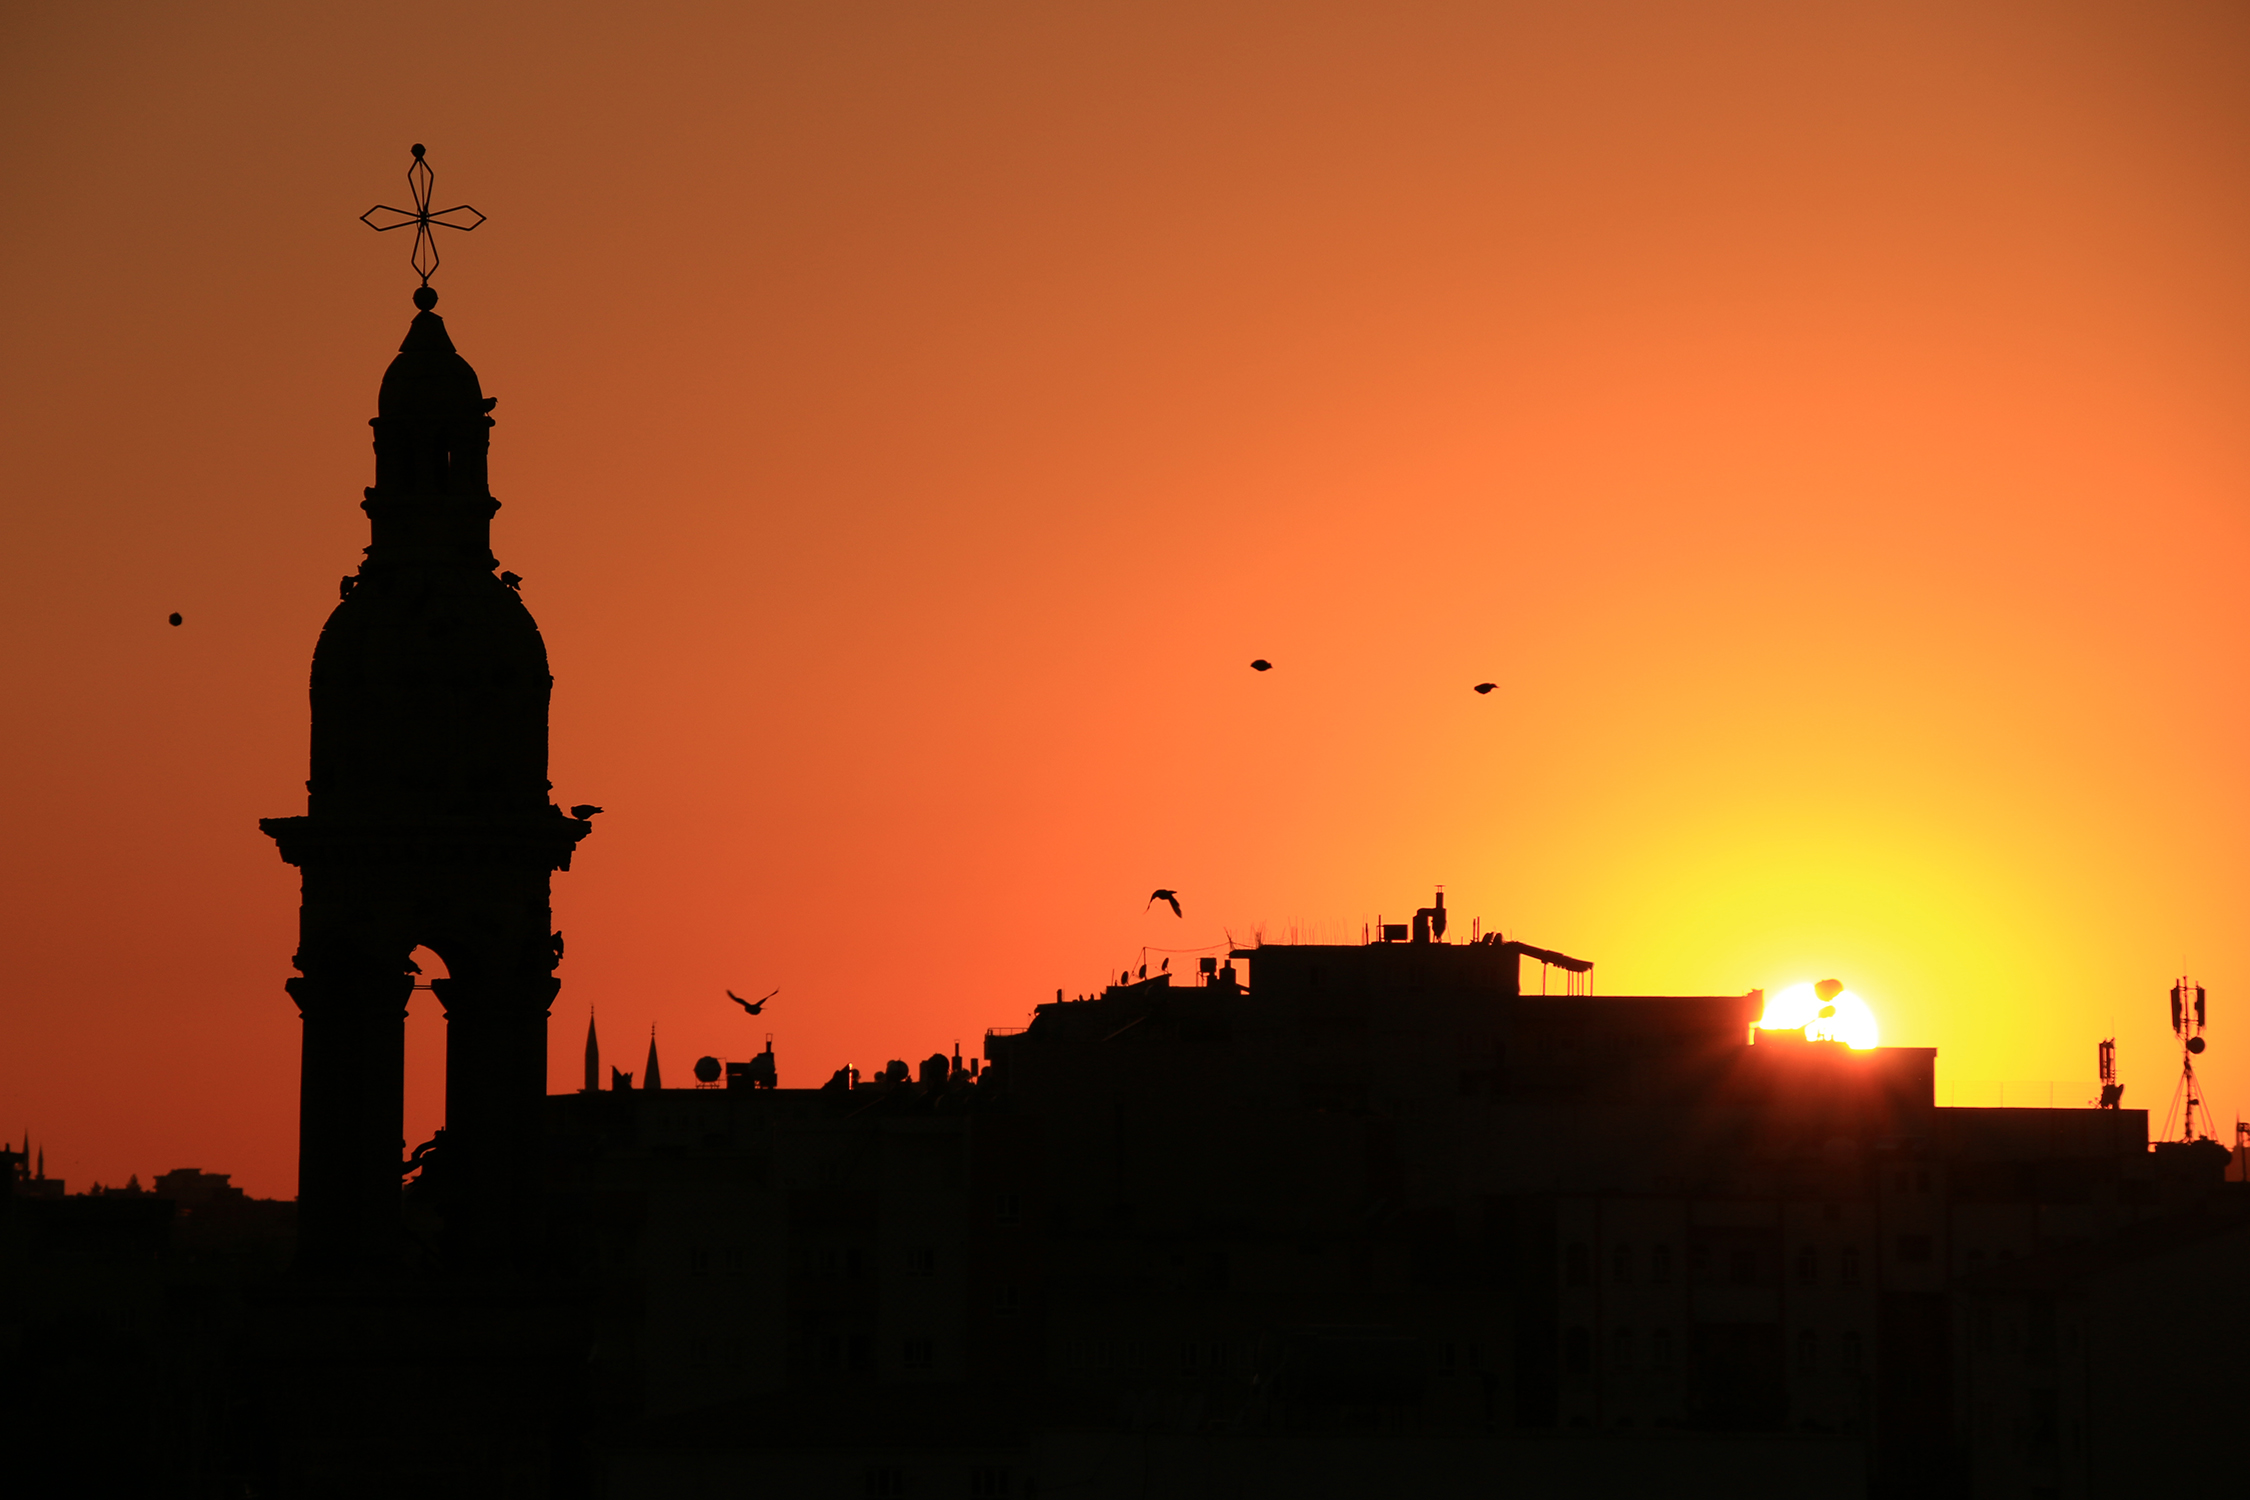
(1486, 687)
(753, 1006)
(584, 810)
(1172, 896)
(513, 580)
(1261, 665)
(175, 617)
(1165, 965)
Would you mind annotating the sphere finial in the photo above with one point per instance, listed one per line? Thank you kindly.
(417, 152)
(425, 297)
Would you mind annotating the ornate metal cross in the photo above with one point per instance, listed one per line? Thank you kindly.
(419, 179)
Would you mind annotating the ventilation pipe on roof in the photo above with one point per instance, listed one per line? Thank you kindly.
(1429, 922)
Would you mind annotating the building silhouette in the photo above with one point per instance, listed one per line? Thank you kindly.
(1321, 1220)
(1363, 1217)
(428, 824)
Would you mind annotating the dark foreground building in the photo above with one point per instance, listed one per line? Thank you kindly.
(1350, 1220)
(1373, 1222)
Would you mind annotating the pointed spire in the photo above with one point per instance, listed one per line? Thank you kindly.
(649, 1078)
(593, 1054)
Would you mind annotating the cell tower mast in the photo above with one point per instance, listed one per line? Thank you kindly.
(2188, 1020)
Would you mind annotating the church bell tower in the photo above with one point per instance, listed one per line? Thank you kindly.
(428, 823)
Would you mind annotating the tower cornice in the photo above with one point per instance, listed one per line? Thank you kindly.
(534, 842)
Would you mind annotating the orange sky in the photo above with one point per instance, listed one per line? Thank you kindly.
(1826, 428)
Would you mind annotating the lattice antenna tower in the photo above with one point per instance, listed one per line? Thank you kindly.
(2189, 1017)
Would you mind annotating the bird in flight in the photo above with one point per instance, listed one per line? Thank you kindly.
(753, 1006)
(1486, 687)
(1261, 665)
(1171, 896)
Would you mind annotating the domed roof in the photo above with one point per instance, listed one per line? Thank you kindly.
(428, 378)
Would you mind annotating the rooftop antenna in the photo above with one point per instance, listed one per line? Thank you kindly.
(2113, 1092)
(2188, 1020)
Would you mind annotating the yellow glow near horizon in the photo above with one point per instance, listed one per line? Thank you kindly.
(1848, 1020)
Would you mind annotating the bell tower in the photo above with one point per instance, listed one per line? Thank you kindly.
(428, 823)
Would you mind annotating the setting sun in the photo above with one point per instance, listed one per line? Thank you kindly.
(1827, 1011)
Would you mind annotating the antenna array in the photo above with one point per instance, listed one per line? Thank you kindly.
(2189, 1017)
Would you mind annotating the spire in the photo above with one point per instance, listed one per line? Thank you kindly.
(649, 1078)
(593, 1055)
(431, 502)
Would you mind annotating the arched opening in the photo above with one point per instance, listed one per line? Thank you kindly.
(423, 1101)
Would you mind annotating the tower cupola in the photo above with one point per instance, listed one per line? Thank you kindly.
(432, 498)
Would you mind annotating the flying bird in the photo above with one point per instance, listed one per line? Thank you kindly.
(1171, 896)
(1261, 665)
(753, 1006)
(584, 810)
(1486, 687)
(175, 617)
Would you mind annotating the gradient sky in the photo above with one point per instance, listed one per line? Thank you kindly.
(1825, 423)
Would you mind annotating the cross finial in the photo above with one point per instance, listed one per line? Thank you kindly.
(419, 179)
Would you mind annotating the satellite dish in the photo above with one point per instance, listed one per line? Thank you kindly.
(707, 1070)
(2195, 1044)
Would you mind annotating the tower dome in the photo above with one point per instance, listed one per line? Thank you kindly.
(430, 683)
(429, 378)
